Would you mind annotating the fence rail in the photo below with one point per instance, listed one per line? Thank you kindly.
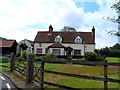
(62, 61)
(32, 71)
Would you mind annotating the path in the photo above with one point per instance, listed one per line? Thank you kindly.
(5, 83)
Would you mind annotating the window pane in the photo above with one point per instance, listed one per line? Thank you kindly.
(78, 40)
(77, 52)
(58, 40)
(56, 51)
(39, 51)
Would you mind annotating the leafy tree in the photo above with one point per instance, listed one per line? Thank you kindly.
(2, 38)
(113, 51)
(105, 51)
(115, 6)
(115, 47)
(68, 29)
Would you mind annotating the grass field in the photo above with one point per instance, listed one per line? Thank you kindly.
(76, 69)
(84, 70)
(113, 59)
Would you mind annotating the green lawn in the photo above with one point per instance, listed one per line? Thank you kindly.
(113, 59)
(88, 70)
(82, 83)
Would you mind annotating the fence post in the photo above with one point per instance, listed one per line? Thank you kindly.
(12, 62)
(105, 76)
(42, 75)
(30, 69)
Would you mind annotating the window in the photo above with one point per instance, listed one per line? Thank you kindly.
(58, 39)
(56, 51)
(78, 39)
(77, 52)
(29, 49)
(39, 51)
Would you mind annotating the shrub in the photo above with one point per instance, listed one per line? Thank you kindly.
(115, 53)
(92, 56)
(48, 56)
(4, 59)
(24, 54)
(38, 58)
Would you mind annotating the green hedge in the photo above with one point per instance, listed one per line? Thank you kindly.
(93, 56)
(49, 56)
(4, 59)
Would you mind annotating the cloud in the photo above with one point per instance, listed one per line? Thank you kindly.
(22, 19)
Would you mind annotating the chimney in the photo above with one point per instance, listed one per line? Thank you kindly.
(93, 32)
(50, 28)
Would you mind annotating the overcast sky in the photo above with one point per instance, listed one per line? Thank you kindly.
(22, 19)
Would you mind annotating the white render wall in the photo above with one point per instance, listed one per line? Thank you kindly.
(43, 46)
(29, 49)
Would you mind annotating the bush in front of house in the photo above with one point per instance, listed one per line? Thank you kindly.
(93, 56)
(38, 58)
(49, 56)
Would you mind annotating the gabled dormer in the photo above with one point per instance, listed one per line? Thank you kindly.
(78, 39)
(58, 38)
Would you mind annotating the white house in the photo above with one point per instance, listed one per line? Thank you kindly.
(25, 44)
(57, 42)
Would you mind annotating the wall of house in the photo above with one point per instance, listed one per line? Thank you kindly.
(62, 52)
(43, 46)
(28, 50)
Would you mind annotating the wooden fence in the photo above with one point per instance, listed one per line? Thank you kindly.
(59, 61)
(30, 71)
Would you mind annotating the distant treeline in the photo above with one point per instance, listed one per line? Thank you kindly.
(113, 51)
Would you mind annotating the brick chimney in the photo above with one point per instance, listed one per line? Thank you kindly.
(50, 28)
(93, 32)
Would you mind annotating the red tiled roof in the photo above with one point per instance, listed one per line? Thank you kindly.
(56, 45)
(6, 43)
(67, 37)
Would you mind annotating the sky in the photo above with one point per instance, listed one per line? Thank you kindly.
(22, 19)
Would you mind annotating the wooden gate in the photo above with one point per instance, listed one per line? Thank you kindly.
(27, 67)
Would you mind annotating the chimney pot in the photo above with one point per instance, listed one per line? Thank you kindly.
(93, 31)
(50, 28)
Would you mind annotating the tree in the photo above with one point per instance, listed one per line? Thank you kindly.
(2, 38)
(113, 51)
(68, 29)
(115, 47)
(105, 51)
(115, 6)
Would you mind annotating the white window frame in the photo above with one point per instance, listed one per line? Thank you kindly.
(77, 51)
(56, 52)
(78, 39)
(58, 38)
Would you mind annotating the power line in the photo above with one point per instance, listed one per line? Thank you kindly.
(12, 35)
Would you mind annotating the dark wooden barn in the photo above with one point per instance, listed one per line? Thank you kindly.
(7, 47)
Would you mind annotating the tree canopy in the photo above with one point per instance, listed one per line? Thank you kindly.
(115, 6)
(113, 51)
(68, 29)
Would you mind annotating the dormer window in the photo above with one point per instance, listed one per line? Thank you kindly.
(58, 39)
(78, 39)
